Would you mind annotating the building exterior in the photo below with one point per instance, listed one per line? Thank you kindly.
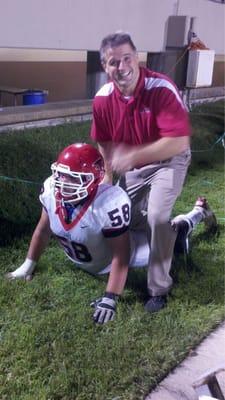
(53, 45)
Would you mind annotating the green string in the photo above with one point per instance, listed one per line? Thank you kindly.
(220, 139)
(7, 178)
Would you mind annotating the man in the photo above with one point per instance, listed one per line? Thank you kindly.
(142, 130)
(91, 221)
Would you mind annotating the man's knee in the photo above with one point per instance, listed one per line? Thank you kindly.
(158, 218)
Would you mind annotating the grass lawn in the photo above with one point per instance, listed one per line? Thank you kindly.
(49, 347)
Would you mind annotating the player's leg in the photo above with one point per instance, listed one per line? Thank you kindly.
(140, 250)
(185, 223)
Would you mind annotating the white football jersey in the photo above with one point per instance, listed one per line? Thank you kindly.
(84, 240)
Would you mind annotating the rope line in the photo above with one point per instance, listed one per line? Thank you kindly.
(8, 178)
(220, 139)
(177, 62)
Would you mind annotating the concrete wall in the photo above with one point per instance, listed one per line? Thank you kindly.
(63, 80)
(44, 44)
(81, 24)
(62, 73)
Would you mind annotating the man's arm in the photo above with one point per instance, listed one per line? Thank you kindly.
(39, 242)
(106, 149)
(126, 157)
(105, 307)
(162, 149)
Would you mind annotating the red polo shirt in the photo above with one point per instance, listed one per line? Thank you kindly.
(154, 111)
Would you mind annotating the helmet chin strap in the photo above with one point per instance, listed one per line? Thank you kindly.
(62, 213)
(67, 209)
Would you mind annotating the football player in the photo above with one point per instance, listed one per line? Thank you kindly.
(91, 222)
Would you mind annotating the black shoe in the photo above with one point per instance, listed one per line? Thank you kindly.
(155, 303)
(182, 240)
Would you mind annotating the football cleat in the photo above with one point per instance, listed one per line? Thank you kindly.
(184, 227)
(209, 217)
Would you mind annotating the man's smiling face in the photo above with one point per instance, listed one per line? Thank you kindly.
(122, 66)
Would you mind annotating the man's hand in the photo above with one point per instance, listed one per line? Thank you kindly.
(105, 308)
(124, 158)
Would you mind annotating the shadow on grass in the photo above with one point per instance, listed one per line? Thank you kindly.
(186, 260)
(137, 285)
(9, 231)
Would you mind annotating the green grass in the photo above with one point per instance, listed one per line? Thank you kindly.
(49, 347)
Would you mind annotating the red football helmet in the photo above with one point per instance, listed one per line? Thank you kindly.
(77, 172)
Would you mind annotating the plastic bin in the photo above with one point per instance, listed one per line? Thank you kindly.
(34, 97)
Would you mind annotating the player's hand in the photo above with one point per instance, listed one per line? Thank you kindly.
(95, 302)
(105, 308)
(25, 271)
(11, 276)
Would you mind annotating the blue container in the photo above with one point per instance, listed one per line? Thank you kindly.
(34, 97)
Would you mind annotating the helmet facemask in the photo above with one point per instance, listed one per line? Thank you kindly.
(72, 187)
(76, 174)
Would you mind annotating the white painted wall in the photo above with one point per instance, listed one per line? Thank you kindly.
(210, 21)
(81, 24)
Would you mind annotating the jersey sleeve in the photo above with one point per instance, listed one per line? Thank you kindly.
(114, 211)
(44, 194)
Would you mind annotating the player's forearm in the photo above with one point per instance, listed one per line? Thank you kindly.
(38, 244)
(117, 278)
(161, 150)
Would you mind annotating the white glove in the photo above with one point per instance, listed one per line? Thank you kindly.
(105, 308)
(25, 271)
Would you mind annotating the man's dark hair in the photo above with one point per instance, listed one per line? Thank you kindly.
(115, 40)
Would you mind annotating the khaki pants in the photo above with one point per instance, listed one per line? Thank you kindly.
(153, 190)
